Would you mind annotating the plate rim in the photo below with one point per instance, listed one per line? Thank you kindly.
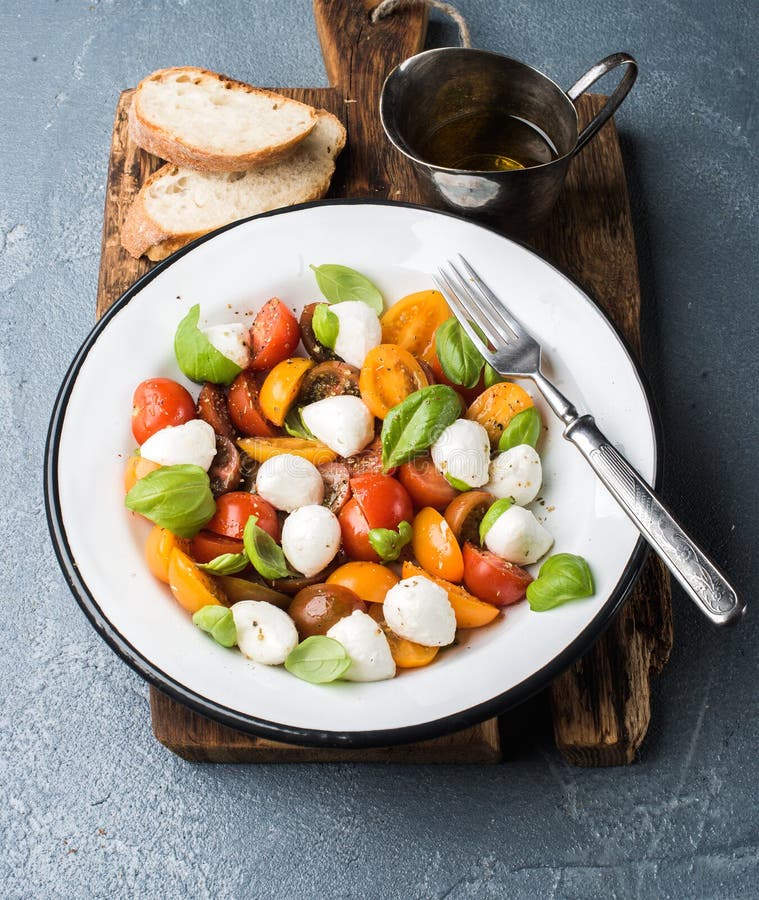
(264, 728)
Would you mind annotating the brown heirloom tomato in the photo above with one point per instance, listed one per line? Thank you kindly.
(465, 513)
(317, 608)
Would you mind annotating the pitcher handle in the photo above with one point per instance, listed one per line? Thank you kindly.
(613, 103)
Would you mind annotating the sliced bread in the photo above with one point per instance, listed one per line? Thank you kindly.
(192, 117)
(177, 205)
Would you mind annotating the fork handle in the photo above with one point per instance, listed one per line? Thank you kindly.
(700, 579)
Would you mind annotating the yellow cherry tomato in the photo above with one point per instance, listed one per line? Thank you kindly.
(389, 374)
(137, 467)
(158, 549)
(261, 448)
(281, 386)
(435, 546)
(192, 587)
(370, 581)
(411, 323)
(497, 406)
(470, 611)
(407, 654)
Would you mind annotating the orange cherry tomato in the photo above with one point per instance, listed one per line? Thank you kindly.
(260, 449)
(388, 376)
(425, 485)
(281, 386)
(435, 546)
(407, 654)
(192, 587)
(158, 549)
(207, 545)
(470, 611)
(235, 508)
(493, 579)
(497, 406)
(137, 468)
(370, 581)
(158, 403)
(245, 406)
(411, 323)
(274, 335)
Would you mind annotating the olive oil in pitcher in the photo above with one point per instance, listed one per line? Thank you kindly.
(487, 142)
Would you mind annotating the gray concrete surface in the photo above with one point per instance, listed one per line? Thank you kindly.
(91, 805)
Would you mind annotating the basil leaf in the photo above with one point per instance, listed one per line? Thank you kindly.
(325, 325)
(295, 426)
(264, 552)
(417, 422)
(387, 544)
(339, 283)
(319, 659)
(490, 376)
(177, 498)
(459, 358)
(524, 428)
(495, 511)
(196, 355)
(226, 564)
(219, 622)
(457, 483)
(562, 577)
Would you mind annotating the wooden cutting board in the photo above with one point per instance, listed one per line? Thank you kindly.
(601, 707)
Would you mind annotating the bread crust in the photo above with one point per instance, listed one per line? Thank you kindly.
(162, 143)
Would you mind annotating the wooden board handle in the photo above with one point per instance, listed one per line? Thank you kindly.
(358, 55)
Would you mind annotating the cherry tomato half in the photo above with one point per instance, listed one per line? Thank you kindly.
(492, 579)
(425, 484)
(497, 406)
(158, 549)
(370, 581)
(388, 376)
(436, 547)
(207, 545)
(383, 500)
(355, 533)
(158, 403)
(274, 335)
(235, 508)
(317, 608)
(412, 321)
(465, 513)
(245, 408)
(192, 587)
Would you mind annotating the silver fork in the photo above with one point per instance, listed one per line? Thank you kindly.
(516, 353)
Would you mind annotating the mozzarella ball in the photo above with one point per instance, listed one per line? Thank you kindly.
(418, 609)
(265, 633)
(344, 423)
(231, 341)
(359, 331)
(462, 452)
(289, 482)
(516, 473)
(366, 645)
(193, 443)
(310, 539)
(518, 537)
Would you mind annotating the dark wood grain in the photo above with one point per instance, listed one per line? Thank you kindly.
(601, 706)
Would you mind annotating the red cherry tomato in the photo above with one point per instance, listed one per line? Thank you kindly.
(206, 546)
(383, 500)
(274, 335)
(235, 508)
(355, 533)
(245, 409)
(425, 484)
(158, 403)
(492, 579)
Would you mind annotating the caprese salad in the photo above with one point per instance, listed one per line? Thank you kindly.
(344, 512)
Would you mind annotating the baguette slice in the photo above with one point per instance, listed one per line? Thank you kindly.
(195, 118)
(177, 205)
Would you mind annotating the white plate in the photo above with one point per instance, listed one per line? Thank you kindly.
(100, 545)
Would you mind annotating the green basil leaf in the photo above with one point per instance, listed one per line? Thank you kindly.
(495, 511)
(226, 564)
(524, 428)
(457, 483)
(490, 376)
(562, 577)
(416, 423)
(459, 358)
(339, 283)
(295, 426)
(196, 355)
(387, 544)
(319, 659)
(264, 552)
(177, 498)
(325, 325)
(219, 622)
